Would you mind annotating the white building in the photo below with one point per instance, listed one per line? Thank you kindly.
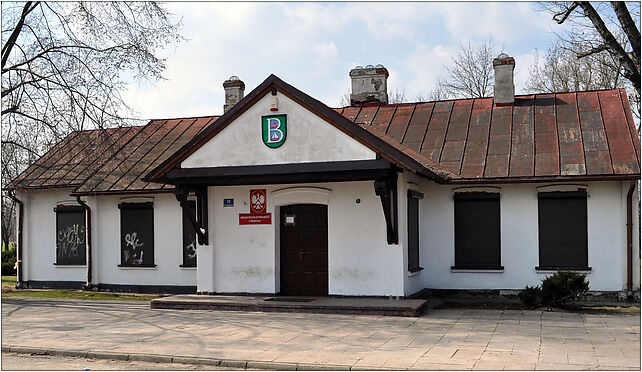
(283, 194)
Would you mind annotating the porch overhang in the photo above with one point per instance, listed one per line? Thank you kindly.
(335, 171)
(381, 171)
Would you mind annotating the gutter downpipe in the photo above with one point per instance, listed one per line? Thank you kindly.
(629, 237)
(88, 285)
(12, 196)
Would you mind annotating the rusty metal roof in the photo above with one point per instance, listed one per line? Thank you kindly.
(110, 160)
(543, 136)
(578, 135)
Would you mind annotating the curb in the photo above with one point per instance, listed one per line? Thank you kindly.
(159, 358)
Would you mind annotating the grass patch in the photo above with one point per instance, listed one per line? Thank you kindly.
(615, 310)
(73, 294)
(9, 290)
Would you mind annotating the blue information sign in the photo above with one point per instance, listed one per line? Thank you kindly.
(228, 202)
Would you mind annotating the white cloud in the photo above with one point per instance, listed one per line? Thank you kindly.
(314, 45)
(425, 64)
(504, 22)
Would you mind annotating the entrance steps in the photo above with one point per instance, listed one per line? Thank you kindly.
(326, 305)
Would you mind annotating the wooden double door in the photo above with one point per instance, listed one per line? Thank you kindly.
(304, 250)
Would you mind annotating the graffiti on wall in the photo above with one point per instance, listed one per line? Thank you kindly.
(190, 250)
(70, 241)
(133, 253)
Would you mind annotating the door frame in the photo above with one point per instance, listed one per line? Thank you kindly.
(289, 195)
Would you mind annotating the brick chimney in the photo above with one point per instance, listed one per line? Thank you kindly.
(504, 86)
(369, 84)
(234, 91)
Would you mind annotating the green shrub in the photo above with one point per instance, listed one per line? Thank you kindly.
(563, 287)
(530, 296)
(9, 261)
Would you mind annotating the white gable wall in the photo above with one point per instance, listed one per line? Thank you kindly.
(308, 139)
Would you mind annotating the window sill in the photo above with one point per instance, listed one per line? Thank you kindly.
(141, 267)
(187, 267)
(415, 271)
(495, 269)
(69, 265)
(549, 269)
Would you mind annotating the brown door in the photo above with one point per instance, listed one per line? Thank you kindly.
(304, 250)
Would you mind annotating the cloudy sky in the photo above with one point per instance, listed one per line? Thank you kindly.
(314, 45)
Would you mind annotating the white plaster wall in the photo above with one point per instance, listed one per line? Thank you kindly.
(413, 282)
(40, 249)
(519, 233)
(39, 237)
(168, 242)
(245, 258)
(308, 139)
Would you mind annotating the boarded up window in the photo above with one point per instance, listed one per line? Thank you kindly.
(477, 231)
(70, 235)
(413, 230)
(136, 234)
(562, 230)
(189, 236)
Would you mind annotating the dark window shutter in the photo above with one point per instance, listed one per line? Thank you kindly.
(71, 236)
(413, 232)
(477, 231)
(189, 236)
(137, 234)
(563, 241)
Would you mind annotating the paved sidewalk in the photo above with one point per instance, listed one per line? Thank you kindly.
(440, 339)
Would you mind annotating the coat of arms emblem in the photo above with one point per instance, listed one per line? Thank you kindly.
(274, 130)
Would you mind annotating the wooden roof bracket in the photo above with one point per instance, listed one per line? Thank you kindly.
(200, 220)
(386, 189)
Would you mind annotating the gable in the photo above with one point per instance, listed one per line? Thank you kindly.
(309, 138)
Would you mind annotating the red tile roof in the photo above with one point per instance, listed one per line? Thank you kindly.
(579, 135)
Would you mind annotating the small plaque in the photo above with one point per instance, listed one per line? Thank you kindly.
(289, 220)
(255, 219)
(228, 202)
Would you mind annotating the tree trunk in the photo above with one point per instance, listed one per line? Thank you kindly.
(632, 71)
(629, 27)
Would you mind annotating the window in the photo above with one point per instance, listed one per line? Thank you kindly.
(137, 234)
(477, 231)
(413, 230)
(189, 236)
(70, 235)
(562, 230)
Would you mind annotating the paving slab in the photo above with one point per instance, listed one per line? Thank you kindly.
(438, 339)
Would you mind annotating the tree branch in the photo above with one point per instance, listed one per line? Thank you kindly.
(567, 12)
(597, 49)
(6, 49)
(19, 145)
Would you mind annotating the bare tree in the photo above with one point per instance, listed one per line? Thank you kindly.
(470, 75)
(64, 66)
(605, 27)
(559, 70)
(397, 96)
